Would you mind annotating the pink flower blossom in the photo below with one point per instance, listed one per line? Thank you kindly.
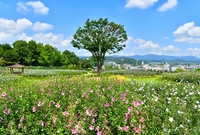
(113, 99)
(22, 119)
(97, 128)
(54, 119)
(57, 105)
(3, 94)
(128, 115)
(73, 131)
(126, 128)
(88, 112)
(39, 103)
(107, 104)
(142, 119)
(99, 133)
(130, 109)
(7, 111)
(65, 113)
(19, 125)
(91, 128)
(42, 123)
(137, 130)
(34, 109)
(62, 93)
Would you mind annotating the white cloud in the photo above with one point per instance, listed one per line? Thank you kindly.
(195, 31)
(144, 45)
(188, 33)
(171, 48)
(38, 26)
(57, 40)
(37, 6)
(168, 5)
(5, 36)
(12, 27)
(130, 39)
(142, 4)
(184, 29)
(21, 7)
(194, 51)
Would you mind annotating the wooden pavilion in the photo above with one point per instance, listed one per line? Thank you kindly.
(16, 66)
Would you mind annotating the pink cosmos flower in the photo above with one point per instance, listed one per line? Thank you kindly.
(73, 131)
(65, 113)
(128, 115)
(107, 104)
(62, 93)
(22, 119)
(99, 133)
(7, 111)
(97, 128)
(19, 125)
(42, 123)
(142, 119)
(54, 119)
(34, 109)
(88, 112)
(3, 94)
(91, 128)
(113, 99)
(126, 128)
(39, 103)
(130, 109)
(137, 130)
(57, 105)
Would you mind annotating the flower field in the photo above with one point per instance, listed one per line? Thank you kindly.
(98, 106)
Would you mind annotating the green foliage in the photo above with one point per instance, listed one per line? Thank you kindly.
(179, 70)
(100, 37)
(185, 77)
(132, 72)
(35, 54)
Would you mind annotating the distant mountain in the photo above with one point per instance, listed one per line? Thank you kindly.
(154, 57)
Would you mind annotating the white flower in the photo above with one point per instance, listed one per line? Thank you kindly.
(167, 110)
(179, 112)
(171, 119)
(197, 102)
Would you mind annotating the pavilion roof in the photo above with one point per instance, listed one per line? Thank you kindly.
(17, 66)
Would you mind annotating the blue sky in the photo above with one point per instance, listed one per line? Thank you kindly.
(164, 27)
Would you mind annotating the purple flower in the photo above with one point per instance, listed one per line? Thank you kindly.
(7, 111)
(3, 94)
(91, 128)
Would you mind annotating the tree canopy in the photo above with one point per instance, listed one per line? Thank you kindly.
(100, 37)
(32, 53)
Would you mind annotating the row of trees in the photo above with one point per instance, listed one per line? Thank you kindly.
(35, 54)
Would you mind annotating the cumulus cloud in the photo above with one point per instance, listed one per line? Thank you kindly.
(184, 28)
(194, 51)
(38, 7)
(38, 26)
(5, 36)
(12, 27)
(142, 4)
(168, 5)
(57, 40)
(144, 45)
(188, 33)
(171, 48)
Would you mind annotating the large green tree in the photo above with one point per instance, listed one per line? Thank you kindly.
(100, 37)
(69, 58)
